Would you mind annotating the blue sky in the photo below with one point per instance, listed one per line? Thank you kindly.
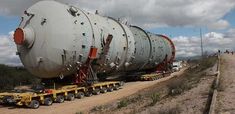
(230, 17)
(8, 23)
(181, 20)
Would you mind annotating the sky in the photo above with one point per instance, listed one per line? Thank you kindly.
(181, 20)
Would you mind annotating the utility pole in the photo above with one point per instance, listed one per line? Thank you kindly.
(201, 42)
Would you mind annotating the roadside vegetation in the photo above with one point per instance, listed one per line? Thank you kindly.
(11, 77)
(155, 97)
(192, 76)
(151, 96)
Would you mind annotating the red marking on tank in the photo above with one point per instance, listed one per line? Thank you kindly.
(93, 53)
(19, 36)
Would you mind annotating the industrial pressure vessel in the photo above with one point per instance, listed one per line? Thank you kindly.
(55, 39)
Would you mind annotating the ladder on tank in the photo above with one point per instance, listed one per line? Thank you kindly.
(86, 74)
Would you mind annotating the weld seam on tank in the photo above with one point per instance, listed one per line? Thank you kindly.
(150, 44)
(93, 37)
(127, 45)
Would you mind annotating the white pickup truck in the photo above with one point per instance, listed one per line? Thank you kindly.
(177, 66)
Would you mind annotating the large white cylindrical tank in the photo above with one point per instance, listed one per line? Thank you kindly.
(54, 39)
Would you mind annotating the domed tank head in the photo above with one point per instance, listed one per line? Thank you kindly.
(45, 39)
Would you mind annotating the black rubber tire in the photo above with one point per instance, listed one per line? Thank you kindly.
(34, 104)
(70, 97)
(48, 101)
(110, 89)
(88, 94)
(80, 95)
(103, 90)
(60, 99)
(96, 92)
(116, 87)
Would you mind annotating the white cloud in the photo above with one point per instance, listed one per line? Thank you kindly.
(155, 13)
(8, 50)
(212, 42)
(146, 13)
(230, 33)
(221, 24)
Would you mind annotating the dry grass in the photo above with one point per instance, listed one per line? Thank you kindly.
(174, 110)
(193, 77)
(79, 113)
(98, 108)
(123, 103)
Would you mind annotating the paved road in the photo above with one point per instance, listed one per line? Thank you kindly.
(226, 95)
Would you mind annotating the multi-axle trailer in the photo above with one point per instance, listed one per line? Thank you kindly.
(33, 98)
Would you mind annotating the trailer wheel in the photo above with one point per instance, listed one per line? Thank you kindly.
(79, 95)
(34, 104)
(110, 89)
(96, 92)
(60, 99)
(88, 94)
(70, 97)
(48, 101)
(116, 87)
(103, 90)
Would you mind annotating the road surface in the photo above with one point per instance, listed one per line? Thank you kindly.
(226, 94)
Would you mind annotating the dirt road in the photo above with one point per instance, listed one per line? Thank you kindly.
(71, 107)
(226, 94)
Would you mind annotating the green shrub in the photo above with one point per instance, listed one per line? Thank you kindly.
(155, 97)
(122, 103)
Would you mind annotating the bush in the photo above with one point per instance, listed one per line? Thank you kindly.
(178, 87)
(122, 103)
(155, 97)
